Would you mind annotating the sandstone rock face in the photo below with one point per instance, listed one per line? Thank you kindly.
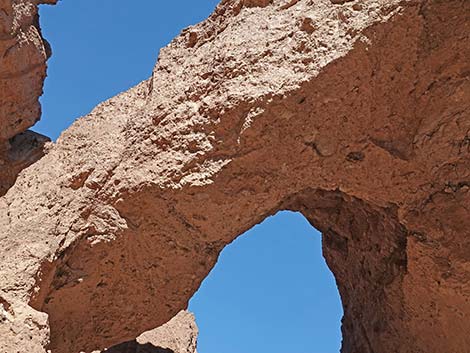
(23, 55)
(355, 113)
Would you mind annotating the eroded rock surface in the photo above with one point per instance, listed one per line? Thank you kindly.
(354, 113)
(23, 55)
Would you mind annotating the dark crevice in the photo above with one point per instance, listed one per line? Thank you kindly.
(136, 347)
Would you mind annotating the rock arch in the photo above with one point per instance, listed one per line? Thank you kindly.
(355, 114)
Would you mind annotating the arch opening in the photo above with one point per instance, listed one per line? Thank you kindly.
(271, 290)
(363, 245)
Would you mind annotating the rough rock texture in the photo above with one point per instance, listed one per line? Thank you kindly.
(179, 335)
(23, 55)
(355, 114)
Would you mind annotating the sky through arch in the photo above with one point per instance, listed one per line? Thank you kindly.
(270, 292)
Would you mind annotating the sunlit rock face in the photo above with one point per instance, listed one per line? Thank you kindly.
(355, 113)
(23, 55)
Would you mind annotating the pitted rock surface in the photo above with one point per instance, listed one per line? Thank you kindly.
(355, 114)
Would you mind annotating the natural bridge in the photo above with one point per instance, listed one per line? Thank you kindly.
(354, 113)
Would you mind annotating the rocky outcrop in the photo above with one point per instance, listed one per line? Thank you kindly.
(23, 55)
(179, 335)
(354, 113)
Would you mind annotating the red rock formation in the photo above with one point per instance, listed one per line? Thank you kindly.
(355, 114)
(23, 55)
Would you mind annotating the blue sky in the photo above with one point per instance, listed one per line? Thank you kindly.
(271, 291)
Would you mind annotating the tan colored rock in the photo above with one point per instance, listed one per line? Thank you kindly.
(179, 335)
(362, 125)
(23, 55)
